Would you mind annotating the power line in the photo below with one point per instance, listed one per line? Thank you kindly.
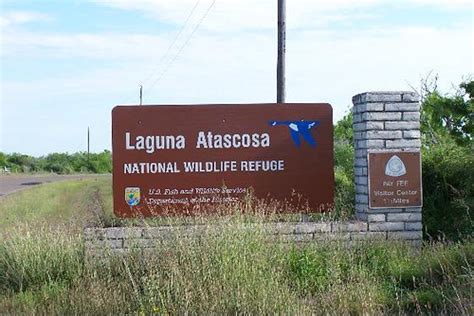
(196, 27)
(168, 50)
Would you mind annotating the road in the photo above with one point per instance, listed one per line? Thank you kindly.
(13, 183)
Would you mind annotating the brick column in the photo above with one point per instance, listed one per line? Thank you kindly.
(385, 122)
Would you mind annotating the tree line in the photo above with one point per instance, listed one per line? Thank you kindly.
(61, 163)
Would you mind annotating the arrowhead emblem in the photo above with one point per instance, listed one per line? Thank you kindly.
(395, 167)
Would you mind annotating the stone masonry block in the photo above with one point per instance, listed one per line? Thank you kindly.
(332, 236)
(308, 228)
(361, 216)
(413, 226)
(376, 217)
(410, 97)
(413, 210)
(386, 226)
(360, 171)
(403, 143)
(382, 116)
(361, 189)
(357, 118)
(361, 180)
(411, 235)
(353, 226)
(92, 233)
(360, 162)
(123, 232)
(372, 143)
(379, 96)
(411, 116)
(402, 125)
(362, 198)
(368, 107)
(361, 153)
(384, 134)
(140, 243)
(412, 107)
(113, 243)
(157, 232)
(386, 210)
(366, 126)
(406, 217)
(411, 134)
(361, 208)
(167, 232)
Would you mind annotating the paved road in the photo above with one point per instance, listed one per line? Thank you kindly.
(12, 183)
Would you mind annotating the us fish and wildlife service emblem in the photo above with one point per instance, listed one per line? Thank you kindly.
(132, 196)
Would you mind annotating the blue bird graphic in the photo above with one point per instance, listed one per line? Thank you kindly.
(298, 128)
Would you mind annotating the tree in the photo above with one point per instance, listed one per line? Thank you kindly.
(343, 129)
(444, 115)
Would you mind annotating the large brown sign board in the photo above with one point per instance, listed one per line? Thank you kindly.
(395, 180)
(182, 156)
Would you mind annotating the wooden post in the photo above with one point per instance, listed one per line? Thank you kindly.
(281, 51)
(88, 144)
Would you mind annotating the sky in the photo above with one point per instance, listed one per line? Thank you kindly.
(66, 63)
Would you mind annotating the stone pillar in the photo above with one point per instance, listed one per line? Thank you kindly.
(385, 122)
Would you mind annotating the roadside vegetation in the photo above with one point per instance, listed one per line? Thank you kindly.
(75, 203)
(61, 163)
(234, 270)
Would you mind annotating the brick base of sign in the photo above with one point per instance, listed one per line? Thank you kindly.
(122, 240)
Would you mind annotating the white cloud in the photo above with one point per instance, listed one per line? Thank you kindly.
(21, 17)
(113, 46)
(234, 15)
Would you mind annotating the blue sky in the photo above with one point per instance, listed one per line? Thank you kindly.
(66, 63)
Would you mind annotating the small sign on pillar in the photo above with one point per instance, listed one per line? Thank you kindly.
(395, 180)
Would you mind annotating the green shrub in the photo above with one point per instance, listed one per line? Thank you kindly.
(344, 181)
(448, 190)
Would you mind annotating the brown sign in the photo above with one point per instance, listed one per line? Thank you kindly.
(395, 180)
(180, 156)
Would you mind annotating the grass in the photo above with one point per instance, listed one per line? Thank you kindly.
(88, 202)
(76, 202)
(233, 270)
(229, 269)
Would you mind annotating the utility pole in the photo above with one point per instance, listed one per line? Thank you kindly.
(88, 143)
(141, 94)
(281, 51)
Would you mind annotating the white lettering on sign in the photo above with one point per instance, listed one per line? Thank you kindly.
(152, 143)
(204, 140)
(150, 167)
(262, 165)
(218, 141)
(210, 166)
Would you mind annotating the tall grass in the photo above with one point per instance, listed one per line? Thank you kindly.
(232, 269)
